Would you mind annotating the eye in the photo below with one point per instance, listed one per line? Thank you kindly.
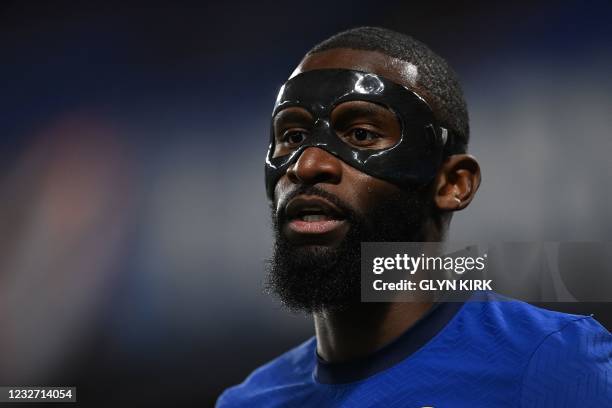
(294, 137)
(362, 137)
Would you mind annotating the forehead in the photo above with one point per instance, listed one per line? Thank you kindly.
(398, 71)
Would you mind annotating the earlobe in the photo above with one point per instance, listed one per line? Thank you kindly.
(456, 182)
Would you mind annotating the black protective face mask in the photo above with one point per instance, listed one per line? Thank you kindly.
(412, 161)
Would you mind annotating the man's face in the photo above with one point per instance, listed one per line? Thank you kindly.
(324, 208)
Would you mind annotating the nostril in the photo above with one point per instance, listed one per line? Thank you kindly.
(291, 175)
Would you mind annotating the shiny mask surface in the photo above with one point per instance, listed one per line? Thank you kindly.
(413, 160)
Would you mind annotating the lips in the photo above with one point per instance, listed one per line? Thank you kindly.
(314, 220)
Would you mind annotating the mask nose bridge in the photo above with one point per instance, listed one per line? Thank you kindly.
(320, 135)
(322, 131)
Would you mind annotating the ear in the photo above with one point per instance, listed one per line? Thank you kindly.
(456, 182)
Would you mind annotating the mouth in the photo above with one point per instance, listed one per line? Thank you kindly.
(314, 220)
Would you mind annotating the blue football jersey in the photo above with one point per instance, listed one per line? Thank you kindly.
(494, 352)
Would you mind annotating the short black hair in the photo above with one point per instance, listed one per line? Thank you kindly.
(435, 76)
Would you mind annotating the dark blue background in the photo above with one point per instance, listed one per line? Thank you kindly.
(133, 214)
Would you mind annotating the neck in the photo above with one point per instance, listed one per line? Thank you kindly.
(362, 329)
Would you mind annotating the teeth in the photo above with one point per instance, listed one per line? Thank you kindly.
(314, 217)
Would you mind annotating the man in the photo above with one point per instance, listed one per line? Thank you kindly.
(368, 143)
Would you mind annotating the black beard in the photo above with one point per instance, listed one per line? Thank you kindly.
(313, 279)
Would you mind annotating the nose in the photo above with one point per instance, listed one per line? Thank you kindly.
(315, 165)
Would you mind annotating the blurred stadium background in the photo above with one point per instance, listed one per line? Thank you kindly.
(133, 219)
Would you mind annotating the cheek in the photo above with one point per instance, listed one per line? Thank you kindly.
(282, 188)
(364, 191)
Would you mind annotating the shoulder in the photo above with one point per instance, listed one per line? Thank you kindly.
(497, 313)
(560, 359)
(572, 366)
(292, 367)
(522, 331)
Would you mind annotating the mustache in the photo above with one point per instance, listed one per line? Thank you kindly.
(348, 212)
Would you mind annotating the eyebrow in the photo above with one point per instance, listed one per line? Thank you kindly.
(368, 110)
(292, 116)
